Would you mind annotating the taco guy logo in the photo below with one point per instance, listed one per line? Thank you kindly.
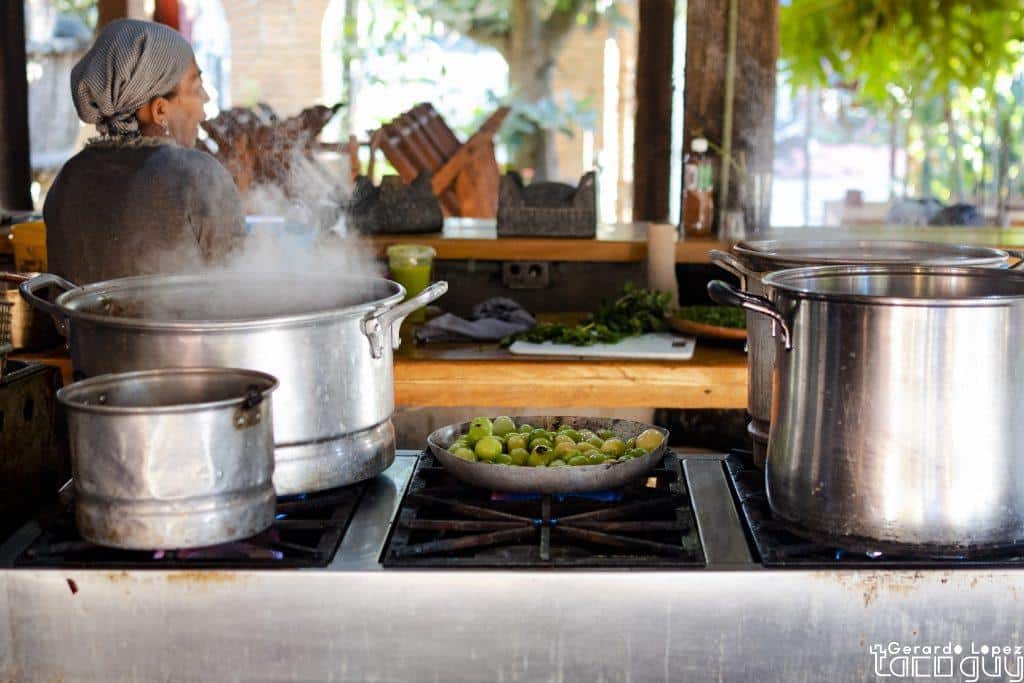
(972, 662)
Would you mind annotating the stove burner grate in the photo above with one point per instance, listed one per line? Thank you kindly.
(306, 532)
(782, 545)
(444, 523)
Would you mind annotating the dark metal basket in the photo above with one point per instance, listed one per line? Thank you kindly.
(547, 209)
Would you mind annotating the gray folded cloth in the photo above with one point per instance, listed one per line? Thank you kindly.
(492, 320)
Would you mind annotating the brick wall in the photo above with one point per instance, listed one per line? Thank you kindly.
(275, 52)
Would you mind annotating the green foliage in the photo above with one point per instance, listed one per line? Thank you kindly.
(922, 47)
(948, 71)
(635, 311)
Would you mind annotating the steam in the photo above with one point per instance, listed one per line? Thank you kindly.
(297, 249)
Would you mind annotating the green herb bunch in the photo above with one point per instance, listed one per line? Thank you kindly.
(635, 311)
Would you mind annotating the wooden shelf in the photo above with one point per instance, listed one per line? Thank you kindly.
(464, 239)
(467, 239)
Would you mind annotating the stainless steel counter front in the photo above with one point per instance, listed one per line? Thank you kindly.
(354, 621)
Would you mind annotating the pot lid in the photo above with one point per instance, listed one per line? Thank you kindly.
(767, 255)
(904, 284)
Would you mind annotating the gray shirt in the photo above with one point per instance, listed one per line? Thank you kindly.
(139, 208)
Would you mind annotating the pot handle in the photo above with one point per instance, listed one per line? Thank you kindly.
(727, 295)
(379, 324)
(248, 413)
(28, 291)
(729, 263)
(1017, 254)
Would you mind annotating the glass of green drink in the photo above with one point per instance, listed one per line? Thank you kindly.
(410, 266)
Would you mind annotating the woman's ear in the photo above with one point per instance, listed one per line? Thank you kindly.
(154, 112)
(159, 107)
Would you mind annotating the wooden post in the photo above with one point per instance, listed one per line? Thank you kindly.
(753, 120)
(109, 10)
(652, 149)
(168, 12)
(15, 163)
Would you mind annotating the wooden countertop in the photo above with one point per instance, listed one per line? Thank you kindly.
(483, 374)
(470, 374)
(455, 375)
(471, 239)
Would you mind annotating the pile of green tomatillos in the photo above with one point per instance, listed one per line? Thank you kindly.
(502, 442)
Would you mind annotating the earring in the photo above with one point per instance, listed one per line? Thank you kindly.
(167, 130)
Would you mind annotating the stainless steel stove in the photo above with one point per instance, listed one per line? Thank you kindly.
(719, 613)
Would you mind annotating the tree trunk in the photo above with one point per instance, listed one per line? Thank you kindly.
(531, 61)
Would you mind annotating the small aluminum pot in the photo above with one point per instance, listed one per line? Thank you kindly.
(172, 458)
(752, 261)
(898, 410)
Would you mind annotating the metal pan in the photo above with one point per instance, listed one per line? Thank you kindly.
(607, 475)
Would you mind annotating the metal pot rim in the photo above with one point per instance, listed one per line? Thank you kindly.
(121, 284)
(782, 280)
(762, 256)
(69, 395)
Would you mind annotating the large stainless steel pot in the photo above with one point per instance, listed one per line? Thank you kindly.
(172, 458)
(898, 411)
(751, 261)
(327, 338)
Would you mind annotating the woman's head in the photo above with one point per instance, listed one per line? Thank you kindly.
(140, 78)
(176, 114)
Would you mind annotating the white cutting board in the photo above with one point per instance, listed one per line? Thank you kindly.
(652, 346)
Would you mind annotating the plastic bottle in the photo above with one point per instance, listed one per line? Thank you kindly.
(698, 191)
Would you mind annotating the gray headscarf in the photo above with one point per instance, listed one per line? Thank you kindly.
(130, 63)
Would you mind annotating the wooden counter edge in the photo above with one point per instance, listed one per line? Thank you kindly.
(545, 249)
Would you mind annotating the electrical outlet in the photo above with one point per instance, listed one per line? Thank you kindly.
(526, 274)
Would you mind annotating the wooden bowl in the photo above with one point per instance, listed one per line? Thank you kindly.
(705, 331)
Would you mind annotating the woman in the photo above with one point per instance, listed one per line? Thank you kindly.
(139, 199)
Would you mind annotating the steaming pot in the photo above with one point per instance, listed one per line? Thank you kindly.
(898, 407)
(752, 261)
(327, 338)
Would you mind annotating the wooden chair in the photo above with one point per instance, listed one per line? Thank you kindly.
(465, 175)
